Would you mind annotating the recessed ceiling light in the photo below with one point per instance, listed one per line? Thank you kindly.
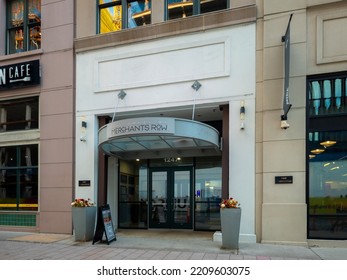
(328, 143)
(317, 151)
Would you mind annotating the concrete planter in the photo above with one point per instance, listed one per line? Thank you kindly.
(230, 225)
(83, 219)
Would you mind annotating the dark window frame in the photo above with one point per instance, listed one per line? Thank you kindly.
(22, 30)
(320, 79)
(124, 10)
(25, 120)
(196, 10)
(323, 123)
(25, 176)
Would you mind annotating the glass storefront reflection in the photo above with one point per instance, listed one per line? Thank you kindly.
(132, 194)
(136, 211)
(328, 185)
(208, 190)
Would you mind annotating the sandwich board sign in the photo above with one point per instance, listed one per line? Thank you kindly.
(104, 225)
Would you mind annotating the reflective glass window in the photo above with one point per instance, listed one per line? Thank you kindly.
(19, 114)
(115, 15)
(133, 194)
(184, 8)
(207, 6)
(19, 178)
(208, 192)
(328, 184)
(327, 96)
(23, 25)
(327, 156)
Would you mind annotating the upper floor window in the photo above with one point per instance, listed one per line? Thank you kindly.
(327, 95)
(183, 8)
(19, 114)
(115, 15)
(23, 25)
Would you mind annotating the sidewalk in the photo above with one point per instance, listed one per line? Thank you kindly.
(155, 245)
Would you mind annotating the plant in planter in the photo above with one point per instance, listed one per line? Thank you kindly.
(230, 203)
(80, 202)
(83, 218)
(230, 214)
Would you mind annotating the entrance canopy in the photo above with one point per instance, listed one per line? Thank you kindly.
(152, 137)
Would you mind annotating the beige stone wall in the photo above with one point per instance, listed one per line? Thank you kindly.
(327, 38)
(86, 13)
(315, 27)
(55, 136)
(56, 117)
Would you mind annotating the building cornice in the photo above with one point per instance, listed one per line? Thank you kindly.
(191, 24)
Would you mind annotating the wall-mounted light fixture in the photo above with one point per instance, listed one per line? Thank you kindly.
(242, 115)
(83, 137)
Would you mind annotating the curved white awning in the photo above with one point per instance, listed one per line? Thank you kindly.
(153, 137)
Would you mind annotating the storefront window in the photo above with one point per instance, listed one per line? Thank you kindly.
(170, 187)
(115, 15)
(24, 25)
(19, 114)
(208, 191)
(328, 184)
(19, 178)
(327, 156)
(133, 194)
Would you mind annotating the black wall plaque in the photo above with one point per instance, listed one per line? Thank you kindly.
(84, 183)
(283, 179)
(104, 225)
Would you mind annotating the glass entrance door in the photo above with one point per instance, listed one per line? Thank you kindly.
(170, 198)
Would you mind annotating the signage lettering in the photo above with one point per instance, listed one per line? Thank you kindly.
(141, 126)
(21, 74)
(171, 159)
(2, 76)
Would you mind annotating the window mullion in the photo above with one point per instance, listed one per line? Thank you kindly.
(196, 7)
(25, 26)
(124, 14)
(18, 170)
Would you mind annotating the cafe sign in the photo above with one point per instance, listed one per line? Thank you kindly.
(20, 74)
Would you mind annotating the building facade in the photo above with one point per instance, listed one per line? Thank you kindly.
(36, 115)
(273, 90)
(162, 108)
(311, 153)
(155, 94)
